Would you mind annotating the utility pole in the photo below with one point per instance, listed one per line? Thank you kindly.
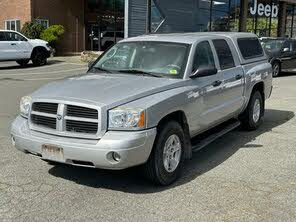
(148, 17)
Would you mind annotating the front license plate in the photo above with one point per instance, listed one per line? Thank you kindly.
(51, 152)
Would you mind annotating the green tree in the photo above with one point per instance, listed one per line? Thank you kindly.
(52, 34)
(32, 30)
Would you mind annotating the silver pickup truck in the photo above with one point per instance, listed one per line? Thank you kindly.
(151, 101)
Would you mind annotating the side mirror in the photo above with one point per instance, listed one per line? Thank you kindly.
(204, 71)
(90, 64)
(286, 50)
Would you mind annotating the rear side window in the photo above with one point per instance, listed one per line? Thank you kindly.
(224, 54)
(250, 47)
(2, 37)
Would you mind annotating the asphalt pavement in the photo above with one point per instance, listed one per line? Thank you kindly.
(244, 176)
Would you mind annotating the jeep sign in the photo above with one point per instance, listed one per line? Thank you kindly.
(266, 10)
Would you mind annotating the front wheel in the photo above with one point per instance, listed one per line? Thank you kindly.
(252, 117)
(165, 162)
(39, 59)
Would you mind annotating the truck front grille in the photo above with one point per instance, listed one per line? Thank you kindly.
(81, 127)
(82, 112)
(63, 119)
(47, 122)
(51, 108)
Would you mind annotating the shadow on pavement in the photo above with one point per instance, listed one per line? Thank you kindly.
(11, 66)
(287, 73)
(131, 181)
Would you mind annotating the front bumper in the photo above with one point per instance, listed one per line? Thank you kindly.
(134, 148)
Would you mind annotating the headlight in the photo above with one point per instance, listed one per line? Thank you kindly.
(126, 119)
(25, 106)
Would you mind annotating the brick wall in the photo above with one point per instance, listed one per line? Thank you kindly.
(68, 13)
(14, 9)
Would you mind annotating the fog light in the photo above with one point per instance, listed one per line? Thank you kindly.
(13, 141)
(116, 156)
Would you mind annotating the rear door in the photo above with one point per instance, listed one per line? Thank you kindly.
(231, 98)
(4, 47)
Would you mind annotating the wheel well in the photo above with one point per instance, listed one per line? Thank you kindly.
(38, 49)
(180, 117)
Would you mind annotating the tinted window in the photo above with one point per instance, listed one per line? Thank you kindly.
(203, 56)
(224, 54)
(250, 47)
(11, 36)
(294, 45)
(2, 36)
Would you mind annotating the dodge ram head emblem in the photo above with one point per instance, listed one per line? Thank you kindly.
(59, 117)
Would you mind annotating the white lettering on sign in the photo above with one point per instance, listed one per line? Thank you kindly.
(266, 10)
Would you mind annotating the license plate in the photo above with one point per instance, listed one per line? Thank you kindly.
(51, 152)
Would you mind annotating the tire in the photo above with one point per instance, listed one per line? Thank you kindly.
(252, 116)
(23, 62)
(39, 58)
(161, 168)
(276, 69)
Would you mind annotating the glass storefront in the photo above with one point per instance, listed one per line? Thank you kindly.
(218, 15)
(104, 23)
(262, 17)
(290, 30)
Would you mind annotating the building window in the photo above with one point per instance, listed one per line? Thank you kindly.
(291, 21)
(43, 22)
(14, 25)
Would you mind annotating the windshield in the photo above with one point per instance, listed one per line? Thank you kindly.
(160, 58)
(272, 44)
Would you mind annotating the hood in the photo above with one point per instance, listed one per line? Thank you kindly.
(38, 41)
(105, 90)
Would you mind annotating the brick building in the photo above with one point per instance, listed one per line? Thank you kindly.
(79, 17)
(95, 24)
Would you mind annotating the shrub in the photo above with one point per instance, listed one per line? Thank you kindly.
(52, 34)
(32, 30)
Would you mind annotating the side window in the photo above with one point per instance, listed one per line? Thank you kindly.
(2, 37)
(224, 54)
(11, 36)
(294, 45)
(288, 45)
(250, 47)
(203, 56)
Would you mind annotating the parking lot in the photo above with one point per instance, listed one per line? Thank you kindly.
(244, 176)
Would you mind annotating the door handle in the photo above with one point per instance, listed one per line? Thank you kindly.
(217, 83)
(13, 44)
(237, 77)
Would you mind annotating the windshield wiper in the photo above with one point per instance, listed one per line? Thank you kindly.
(136, 71)
(101, 69)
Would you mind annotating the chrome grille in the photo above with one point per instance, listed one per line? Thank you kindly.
(82, 112)
(64, 119)
(44, 121)
(51, 108)
(81, 127)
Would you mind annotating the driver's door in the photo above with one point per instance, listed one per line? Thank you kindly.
(206, 98)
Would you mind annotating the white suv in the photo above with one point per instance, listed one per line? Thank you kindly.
(16, 47)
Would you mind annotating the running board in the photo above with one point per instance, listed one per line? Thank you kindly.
(203, 140)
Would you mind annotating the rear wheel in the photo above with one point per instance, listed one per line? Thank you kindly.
(39, 58)
(165, 162)
(252, 117)
(276, 69)
(23, 62)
